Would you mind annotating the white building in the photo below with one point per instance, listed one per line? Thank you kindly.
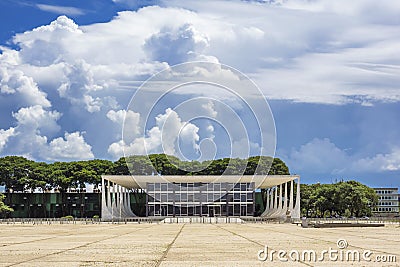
(388, 203)
(211, 196)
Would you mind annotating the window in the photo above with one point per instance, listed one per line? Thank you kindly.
(250, 186)
(184, 197)
(243, 187)
(217, 187)
(150, 187)
(164, 187)
(171, 187)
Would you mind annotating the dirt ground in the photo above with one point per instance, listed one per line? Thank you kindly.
(194, 245)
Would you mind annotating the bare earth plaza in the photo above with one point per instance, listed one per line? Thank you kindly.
(185, 244)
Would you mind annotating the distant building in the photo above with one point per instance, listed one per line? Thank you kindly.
(388, 202)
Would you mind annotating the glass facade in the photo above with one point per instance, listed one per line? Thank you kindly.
(200, 199)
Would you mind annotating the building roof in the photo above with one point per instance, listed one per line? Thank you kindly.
(385, 188)
(140, 181)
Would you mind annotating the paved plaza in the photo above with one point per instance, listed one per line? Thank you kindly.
(189, 244)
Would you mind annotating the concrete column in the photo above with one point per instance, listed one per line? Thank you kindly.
(103, 199)
(129, 202)
(114, 200)
(297, 206)
(280, 197)
(120, 201)
(291, 202)
(108, 194)
(124, 201)
(285, 197)
(106, 211)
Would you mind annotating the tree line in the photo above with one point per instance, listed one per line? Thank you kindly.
(17, 173)
(344, 198)
(20, 174)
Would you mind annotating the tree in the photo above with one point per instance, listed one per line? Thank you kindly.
(339, 199)
(15, 172)
(4, 209)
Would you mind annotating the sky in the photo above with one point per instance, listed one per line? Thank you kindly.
(330, 71)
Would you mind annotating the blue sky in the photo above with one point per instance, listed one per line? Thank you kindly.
(330, 71)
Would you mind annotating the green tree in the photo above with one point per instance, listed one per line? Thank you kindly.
(15, 172)
(4, 209)
(342, 198)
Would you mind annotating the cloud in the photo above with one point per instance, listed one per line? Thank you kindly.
(71, 147)
(30, 137)
(331, 53)
(209, 107)
(321, 156)
(175, 46)
(380, 162)
(126, 119)
(244, 148)
(170, 135)
(65, 10)
(37, 119)
(14, 84)
(4, 136)
(335, 53)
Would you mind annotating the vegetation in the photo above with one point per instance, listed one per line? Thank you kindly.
(20, 174)
(349, 198)
(4, 209)
(346, 199)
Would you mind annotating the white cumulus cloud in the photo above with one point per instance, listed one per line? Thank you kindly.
(4, 135)
(71, 147)
(162, 138)
(30, 137)
(330, 52)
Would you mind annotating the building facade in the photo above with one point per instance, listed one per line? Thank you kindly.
(198, 199)
(53, 205)
(388, 201)
(181, 196)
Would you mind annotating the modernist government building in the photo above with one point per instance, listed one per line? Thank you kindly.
(210, 196)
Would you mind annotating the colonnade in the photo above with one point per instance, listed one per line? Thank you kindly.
(278, 206)
(115, 201)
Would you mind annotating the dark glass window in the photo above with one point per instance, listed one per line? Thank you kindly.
(249, 196)
(150, 187)
(164, 187)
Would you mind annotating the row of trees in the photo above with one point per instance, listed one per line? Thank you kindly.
(349, 198)
(19, 173)
(345, 198)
